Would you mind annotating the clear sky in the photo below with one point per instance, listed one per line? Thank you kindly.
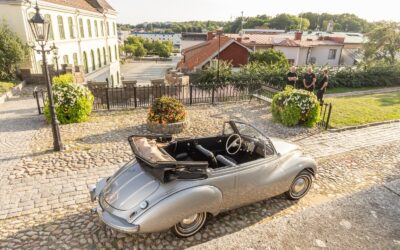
(138, 11)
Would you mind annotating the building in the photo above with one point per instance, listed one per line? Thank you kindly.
(85, 32)
(263, 31)
(197, 57)
(189, 39)
(154, 36)
(298, 49)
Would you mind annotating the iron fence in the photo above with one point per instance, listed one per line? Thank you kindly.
(106, 98)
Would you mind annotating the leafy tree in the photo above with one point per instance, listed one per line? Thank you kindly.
(384, 42)
(12, 52)
(270, 57)
(140, 51)
(288, 22)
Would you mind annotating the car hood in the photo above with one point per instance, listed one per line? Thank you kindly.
(127, 188)
(283, 147)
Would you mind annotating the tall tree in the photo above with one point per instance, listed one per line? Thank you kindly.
(383, 42)
(12, 52)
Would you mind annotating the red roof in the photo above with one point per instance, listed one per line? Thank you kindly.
(200, 53)
(89, 5)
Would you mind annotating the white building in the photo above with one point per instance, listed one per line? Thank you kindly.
(84, 31)
(173, 37)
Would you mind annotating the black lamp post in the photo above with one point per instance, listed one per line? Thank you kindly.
(55, 56)
(40, 29)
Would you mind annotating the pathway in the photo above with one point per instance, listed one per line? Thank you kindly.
(364, 92)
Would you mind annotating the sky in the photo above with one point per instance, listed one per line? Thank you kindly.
(134, 12)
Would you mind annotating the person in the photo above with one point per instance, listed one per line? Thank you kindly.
(292, 77)
(309, 80)
(321, 86)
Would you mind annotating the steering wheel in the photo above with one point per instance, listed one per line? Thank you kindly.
(234, 141)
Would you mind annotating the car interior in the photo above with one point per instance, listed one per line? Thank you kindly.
(214, 151)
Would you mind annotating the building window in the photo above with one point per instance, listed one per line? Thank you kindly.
(102, 28)
(332, 54)
(112, 80)
(71, 28)
(51, 33)
(99, 57)
(116, 53)
(75, 57)
(96, 29)
(114, 29)
(61, 27)
(81, 29)
(105, 56)
(93, 60)
(110, 55)
(66, 59)
(89, 25)
(108, 28)
(291, 61)
(85, 63)
(118, 77)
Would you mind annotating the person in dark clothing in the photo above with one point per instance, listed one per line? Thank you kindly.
(321, 86)
(309, 80)
(292, 77)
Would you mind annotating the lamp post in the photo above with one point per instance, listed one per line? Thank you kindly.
(55, 56)
(219, 33)
(40, 29)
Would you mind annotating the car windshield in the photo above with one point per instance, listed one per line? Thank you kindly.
(249, 131)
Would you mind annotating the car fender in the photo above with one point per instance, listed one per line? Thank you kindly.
(290, 168)
(171, 210)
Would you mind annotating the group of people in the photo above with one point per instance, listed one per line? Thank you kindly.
(310, 82)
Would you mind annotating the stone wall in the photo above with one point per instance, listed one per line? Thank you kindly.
(77, 71)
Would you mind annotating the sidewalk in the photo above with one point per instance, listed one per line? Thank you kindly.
(366, 220)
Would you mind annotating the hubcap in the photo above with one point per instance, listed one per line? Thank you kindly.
(190, 219)
(190, 224)
(300, 186)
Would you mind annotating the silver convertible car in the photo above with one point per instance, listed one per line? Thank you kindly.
(176, 184)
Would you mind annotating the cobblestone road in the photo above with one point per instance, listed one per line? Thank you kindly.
(44, 196)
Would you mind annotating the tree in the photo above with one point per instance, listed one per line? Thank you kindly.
(270, 57)
(140, 51)
(384, 42)
(288, 22)
(12, 52)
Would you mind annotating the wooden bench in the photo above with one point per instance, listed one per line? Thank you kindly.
(261, 97)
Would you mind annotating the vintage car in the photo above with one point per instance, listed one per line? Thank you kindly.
(176, 184)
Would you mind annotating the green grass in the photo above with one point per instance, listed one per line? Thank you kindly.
(5, 86)
(358, 110)
(349, 89)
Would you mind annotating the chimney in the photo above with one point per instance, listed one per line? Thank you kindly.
(210, 35)
(239, 39)
(298, 35)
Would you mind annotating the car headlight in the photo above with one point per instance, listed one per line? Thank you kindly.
(143, 204)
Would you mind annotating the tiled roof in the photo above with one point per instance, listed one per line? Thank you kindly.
(254, 39)
(89, 5)
(198, 54)
(287, 42)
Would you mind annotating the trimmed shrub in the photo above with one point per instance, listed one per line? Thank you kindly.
(73, 102)
(166, 110)
(293, 107)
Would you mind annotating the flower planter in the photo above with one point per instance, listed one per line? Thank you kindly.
(170, 128)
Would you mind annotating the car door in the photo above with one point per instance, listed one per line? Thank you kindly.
(253, 180)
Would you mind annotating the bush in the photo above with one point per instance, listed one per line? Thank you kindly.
(294, 106)
(73, 102)
(166, 110)
(270, 57)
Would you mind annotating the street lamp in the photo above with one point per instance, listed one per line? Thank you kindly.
(40, 29)
(219, 33)
(55, 56)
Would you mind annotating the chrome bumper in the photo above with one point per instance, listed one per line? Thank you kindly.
(114, 222)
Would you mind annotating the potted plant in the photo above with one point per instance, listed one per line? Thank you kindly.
(166, 116)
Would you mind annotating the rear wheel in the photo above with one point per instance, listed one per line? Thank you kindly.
(300, 185)
(190, 225)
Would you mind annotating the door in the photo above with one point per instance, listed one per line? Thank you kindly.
(254, 180)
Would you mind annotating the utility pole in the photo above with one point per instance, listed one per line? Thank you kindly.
(241, 25)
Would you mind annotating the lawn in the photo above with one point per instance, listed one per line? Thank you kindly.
(358, 110)
(5, 86)
(349, 89)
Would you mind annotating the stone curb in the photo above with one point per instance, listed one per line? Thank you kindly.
(12, 92)
(362, 126)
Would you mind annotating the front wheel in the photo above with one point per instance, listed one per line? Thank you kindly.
(300, 185)
(190, 225)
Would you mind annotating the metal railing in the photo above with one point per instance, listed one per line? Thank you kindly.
(326, 110)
